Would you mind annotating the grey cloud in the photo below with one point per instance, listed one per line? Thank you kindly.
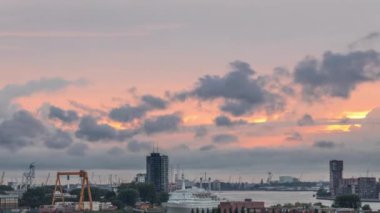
(68, 116)
(12, 91)
(115, 151)
(345, 120)
(87, 109)
(181, 147)
(242, 94)
(59, 140)
(163, 123)
(89, 129)
(128, 113)
(137, 146)
(224, 138)
(293, 136)
(222, 120)
(200, 132)
(324, 144)
(306, 120)
(20, 131)
(288, 90)
(207, 148)
(336, 75)
(371, 37)
(77, 149)
(154, 102)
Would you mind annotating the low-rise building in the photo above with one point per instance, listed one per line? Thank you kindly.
(140, 178)
(8, 202)
(246, 204)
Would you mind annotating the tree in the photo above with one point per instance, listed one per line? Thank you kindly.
(366, 207)
(146, 191)
(162, 197)
(117, 203)
(97, 193)
(347, 201)
(109, 196)
(35, 197)
(323, 193)
(128, 196)
(4, 188)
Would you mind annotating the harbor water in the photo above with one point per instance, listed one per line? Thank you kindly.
(280, 197)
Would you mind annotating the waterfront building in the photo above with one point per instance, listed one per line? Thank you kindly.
(140, 178)
(8, 202)
(287, 179)
(236, 206)
(157, 171)
(348, 186)
(367, 188)
(336, 176)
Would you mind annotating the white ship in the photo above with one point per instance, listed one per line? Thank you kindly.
(183, 200)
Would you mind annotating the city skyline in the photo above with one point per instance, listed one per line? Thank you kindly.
(250, 88)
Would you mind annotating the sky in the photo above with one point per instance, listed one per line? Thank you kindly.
(231, 88)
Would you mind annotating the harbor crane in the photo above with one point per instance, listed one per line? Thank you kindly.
(2, 178)
(47, 179)
(269, 178)
(28, 177)
(84, 182)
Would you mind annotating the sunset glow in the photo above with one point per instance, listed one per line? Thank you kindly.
(356, 115)
(235, 87)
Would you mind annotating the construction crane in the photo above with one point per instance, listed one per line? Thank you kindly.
(2, 178)
(84, 182)
(28, 177)
(269, 178)
(47, 179)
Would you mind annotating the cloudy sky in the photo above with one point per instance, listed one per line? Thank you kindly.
(228, 87)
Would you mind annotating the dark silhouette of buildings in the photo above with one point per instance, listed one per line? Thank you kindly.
(157, 171)
(364, 187)
(336, 176)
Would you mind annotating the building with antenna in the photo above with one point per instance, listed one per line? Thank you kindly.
(157, 171)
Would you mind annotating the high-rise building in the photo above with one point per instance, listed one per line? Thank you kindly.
(157, 171)
(336, 176)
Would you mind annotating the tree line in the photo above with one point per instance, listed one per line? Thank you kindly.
(125, 195)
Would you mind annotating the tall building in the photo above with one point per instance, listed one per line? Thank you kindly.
(157, 171)
(336, 176)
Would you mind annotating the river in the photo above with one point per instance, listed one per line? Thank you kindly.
(279, 197)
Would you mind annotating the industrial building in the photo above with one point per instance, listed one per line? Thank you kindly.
(157, 171)
(288, 179)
